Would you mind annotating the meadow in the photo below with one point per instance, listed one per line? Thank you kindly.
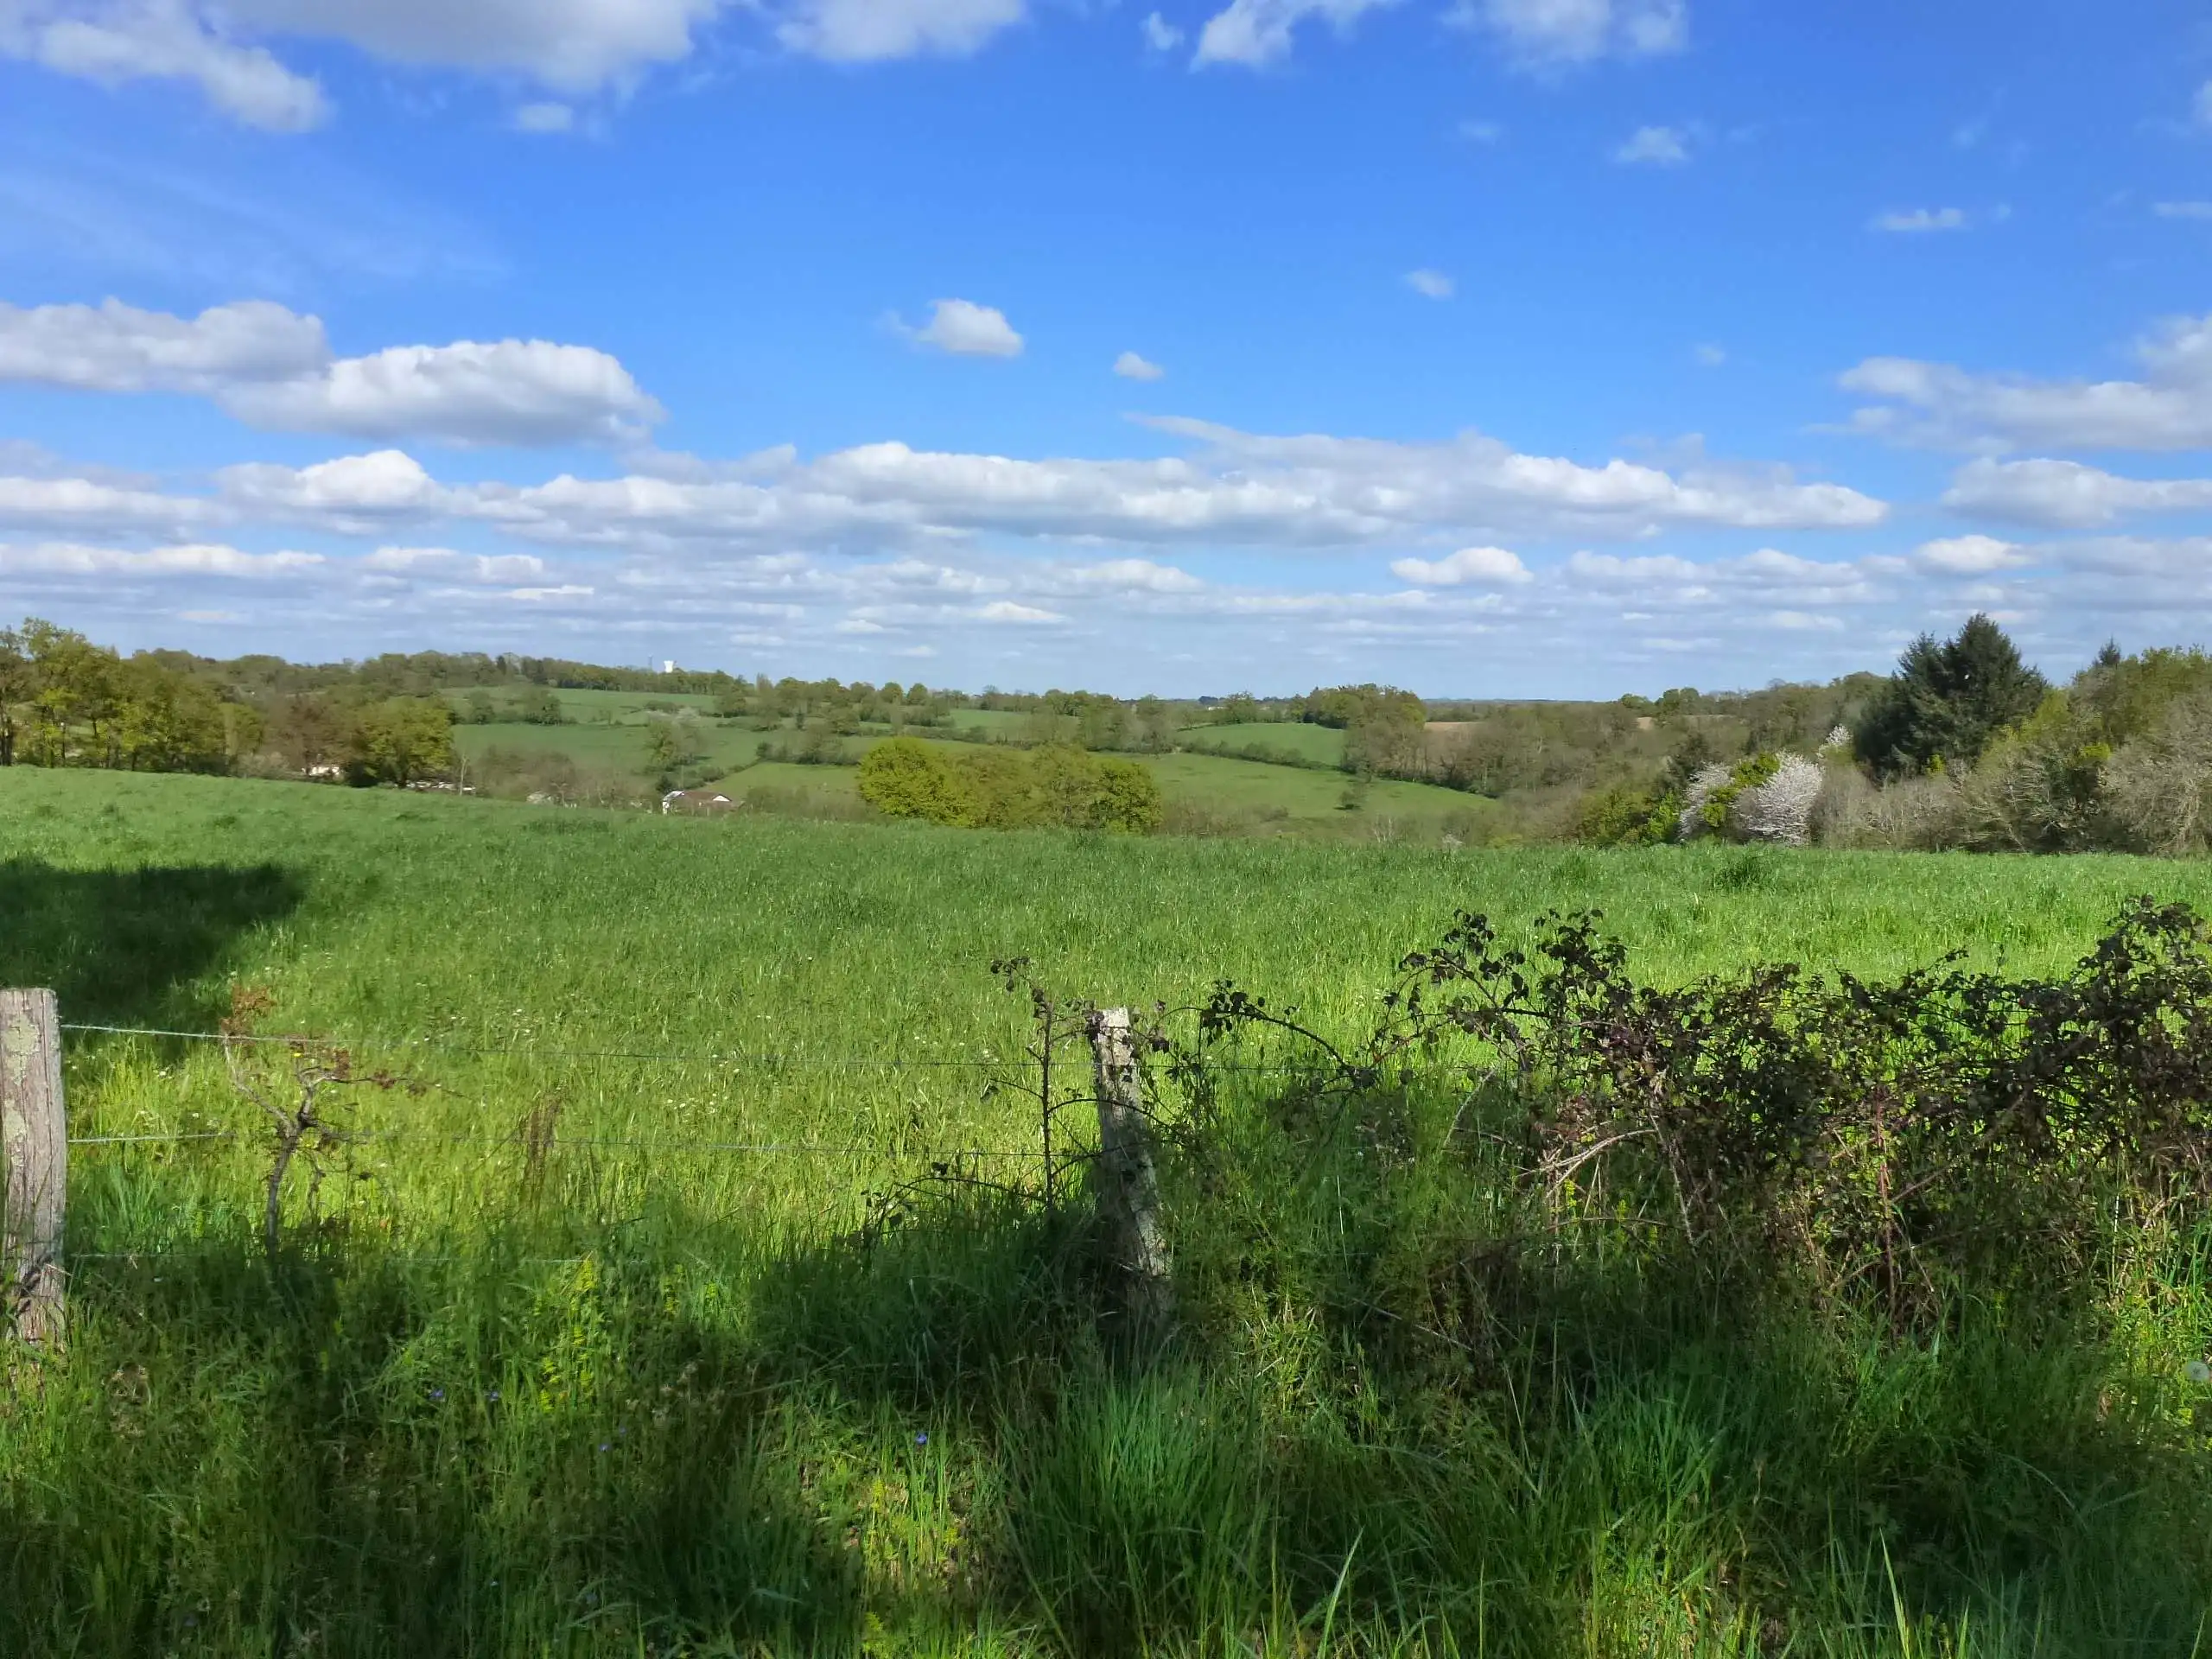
(591, 1331)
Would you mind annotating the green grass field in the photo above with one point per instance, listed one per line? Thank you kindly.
(1295, 742)
(638, 1393)
(1213, 793)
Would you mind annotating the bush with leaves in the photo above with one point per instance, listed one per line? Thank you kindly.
(1877, 1142)
(1054, 786)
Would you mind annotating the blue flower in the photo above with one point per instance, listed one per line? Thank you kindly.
(922, 1438)
(437, 1394)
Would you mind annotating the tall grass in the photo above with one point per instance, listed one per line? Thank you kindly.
(639, 1391)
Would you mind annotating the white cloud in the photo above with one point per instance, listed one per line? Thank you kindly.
(1940, 403)
(1236, 489)
(1130, 367)
(351, 494)
(1708, 355)
(118, 347)
(545, 117)
(1654, 147)
(1135, 576)
(2183, 209)
(405, 561)
(2067, 493)
(272, 368)
(114, 42)
(574, 45)
(1968, 556)
(1005, 610)
(860, 31)
(1482, 566)
(1160, 35)
(1918, 220)
(82, 505)
(65, 558)
(1553, 33)
(1481, 132)
(1431, 284)
(966, 329)
(1256, 32)
(508, 392)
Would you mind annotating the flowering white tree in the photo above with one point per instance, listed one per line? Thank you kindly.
(1781, 809)
(1708, 782)
(1778, 808)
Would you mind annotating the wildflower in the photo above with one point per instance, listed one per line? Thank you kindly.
(438, 1395)
(606, 1445)
(922, 1438)
(493, 1394)
(2197, 1371)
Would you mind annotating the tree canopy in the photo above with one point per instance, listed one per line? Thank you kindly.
(1947, 701)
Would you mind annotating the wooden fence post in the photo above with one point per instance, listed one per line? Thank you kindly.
(34, 1147)
(1127, 1183)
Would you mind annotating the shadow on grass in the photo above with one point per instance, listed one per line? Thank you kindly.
(124, 947)
(577, 1445)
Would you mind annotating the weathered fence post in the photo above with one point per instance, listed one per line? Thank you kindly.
(34, 1147)
(1126, 1185)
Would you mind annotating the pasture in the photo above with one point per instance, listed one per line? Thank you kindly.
(587, 1336)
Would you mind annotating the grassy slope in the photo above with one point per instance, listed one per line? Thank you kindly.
(640, 948)
(1315, 746)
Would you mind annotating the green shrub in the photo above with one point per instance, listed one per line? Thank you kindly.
(1056, 786)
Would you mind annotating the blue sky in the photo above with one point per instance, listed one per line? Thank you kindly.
(1544, 347)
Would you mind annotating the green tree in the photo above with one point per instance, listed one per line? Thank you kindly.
(907, 779)
(1947, 701)
(402, 741)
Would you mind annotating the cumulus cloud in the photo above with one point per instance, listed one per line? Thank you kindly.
(84, 505)
(274, 369)
(114, 42)
(1431, 284)
(1160, 35)
(1130, 367)
(1256, 32)
(1482, 566)
(1968, 556)
(116, 347)
(191, 559)
(353, 494)
(1135, 576)
(859, 31)
(1942, 404)
(508, 392)
(2067, 493)
(1230, 489)
(1915, 221)
(572, 46)
(966, 329)
(1553, 33)
(1654, 147)
(1006, 610)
